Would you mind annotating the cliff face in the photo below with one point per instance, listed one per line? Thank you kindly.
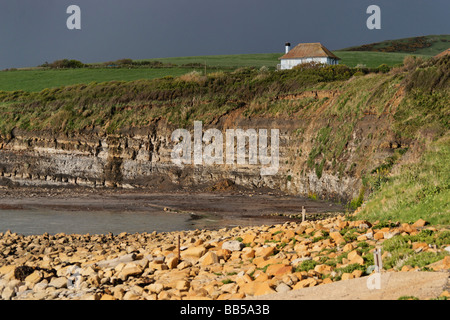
(141, 157)
(341, 132)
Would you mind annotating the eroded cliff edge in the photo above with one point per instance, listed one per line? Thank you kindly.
(336, 130)
(141, 157)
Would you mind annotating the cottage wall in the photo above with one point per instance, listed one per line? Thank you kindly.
(287, 64)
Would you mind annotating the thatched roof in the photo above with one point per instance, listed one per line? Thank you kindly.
(309, 50)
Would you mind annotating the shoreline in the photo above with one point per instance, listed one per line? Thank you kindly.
(226, 264)
(201, 209)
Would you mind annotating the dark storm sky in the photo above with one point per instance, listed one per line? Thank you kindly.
(34, 31)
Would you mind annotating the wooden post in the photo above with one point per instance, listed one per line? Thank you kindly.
(303, 214)
(378, 261)
(179, 249)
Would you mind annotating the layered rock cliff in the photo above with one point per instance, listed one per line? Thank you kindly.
(336, 129)
(141, 157)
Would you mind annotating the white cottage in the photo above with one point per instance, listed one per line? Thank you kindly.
(305, 53)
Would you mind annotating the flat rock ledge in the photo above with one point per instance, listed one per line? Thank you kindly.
(226, 264)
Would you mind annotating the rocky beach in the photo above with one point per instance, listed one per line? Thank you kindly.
(225, 264)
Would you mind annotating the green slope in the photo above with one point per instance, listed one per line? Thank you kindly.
(349, 58)
(427, 45)
(420, 190)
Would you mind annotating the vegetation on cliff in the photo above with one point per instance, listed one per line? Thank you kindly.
(117, 104)
(418, 189)
(432, 44)
(411, 102)
(420, 186)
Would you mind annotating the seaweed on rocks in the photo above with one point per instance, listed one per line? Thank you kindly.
(20, 273)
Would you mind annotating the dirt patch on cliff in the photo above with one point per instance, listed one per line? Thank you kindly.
(223, 185)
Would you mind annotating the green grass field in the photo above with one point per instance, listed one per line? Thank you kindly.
(373, 59)
(35, 79)
(227, 61)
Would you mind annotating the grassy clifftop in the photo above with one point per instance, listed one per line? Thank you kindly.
(411, 101)
(117, 104)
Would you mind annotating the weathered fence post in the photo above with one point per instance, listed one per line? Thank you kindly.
(179, 249)
(377, 260)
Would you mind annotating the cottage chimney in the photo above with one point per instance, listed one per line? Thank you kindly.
(288, 47)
